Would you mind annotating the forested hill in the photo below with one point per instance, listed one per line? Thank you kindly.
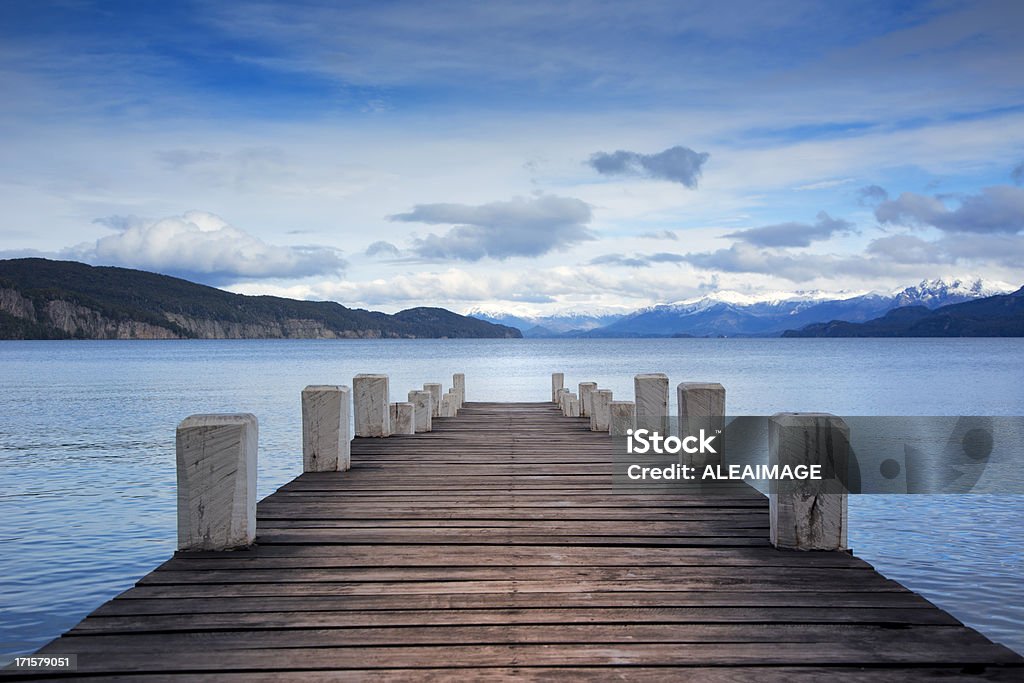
(43, 299)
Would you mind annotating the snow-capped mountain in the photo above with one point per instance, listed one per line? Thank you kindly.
(729, 314)
(726, 313)
(550, 325)
(935, 293)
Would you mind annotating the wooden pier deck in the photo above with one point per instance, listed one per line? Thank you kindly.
(492, 548)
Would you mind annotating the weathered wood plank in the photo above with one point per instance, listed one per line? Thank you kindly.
(893, 618)
(137, 606)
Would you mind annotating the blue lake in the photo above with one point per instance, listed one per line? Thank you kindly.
(87, 444)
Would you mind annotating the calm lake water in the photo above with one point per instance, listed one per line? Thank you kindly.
(87, 475)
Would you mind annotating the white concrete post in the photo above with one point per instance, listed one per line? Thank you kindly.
(584, 391)
(403, 418)
(574, 406)
(567, 398)
(557, 382)
(216, 462)
(701, 405)
(600, 405)
(808, 515)
(372, 409)
(459, 387)
(651, 392)
(446, 406)
(560, 398)
(435, 394)
(326, 434)
(423, 405)
(622, 417)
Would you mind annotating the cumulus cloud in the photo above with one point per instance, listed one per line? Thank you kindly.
(871, 194)
(996, 209)
(677, 164)
(794, 234)
(382, 248)
(201, 246)
(501, 230)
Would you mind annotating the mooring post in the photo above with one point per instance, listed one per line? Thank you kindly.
(423, 407)
(326, 434)
(567, 398)
(585, 388)
(403, 418)
(216, 463)
(459, 388)
(557, 382)
(574, 406)
(435, 394)
(372, 409)
(808, 514)
(701, 406)
(651, 392)
(622, 417)
(600, 415)
(560, 398)
(446, 405)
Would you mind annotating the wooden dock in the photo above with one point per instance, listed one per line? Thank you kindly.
(493, 547)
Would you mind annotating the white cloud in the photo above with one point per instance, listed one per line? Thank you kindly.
(203, 247)
(793, 234)
(676, 164)
(997, 209)
(500, 230)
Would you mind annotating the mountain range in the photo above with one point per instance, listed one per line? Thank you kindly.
(730, 314)
(567, 324)
(43, 299)
(994, 316)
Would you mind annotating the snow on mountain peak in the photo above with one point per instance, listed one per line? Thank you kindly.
(949, 290)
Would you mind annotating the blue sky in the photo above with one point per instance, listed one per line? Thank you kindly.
(531, 157)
